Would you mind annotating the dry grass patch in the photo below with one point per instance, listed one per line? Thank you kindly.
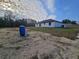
(70, 33)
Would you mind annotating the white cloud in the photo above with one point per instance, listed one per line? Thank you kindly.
(51, 17)
(32, 9)
(51, 5)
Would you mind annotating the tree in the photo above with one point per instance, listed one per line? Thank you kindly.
(73, 22)
(66, 21)
(1, 22)
(9, 22)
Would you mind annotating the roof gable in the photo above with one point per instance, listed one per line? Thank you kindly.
(49, 20)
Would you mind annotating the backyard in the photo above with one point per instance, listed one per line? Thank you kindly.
(70, 33)
(38, 45)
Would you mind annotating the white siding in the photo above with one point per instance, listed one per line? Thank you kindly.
(36, 25)
(57, 24)
(53, 24)
(68, 25)
(42, 25)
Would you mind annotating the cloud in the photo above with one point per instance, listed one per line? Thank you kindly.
(41, 9)
(51, 17)
(49, 6)
(34, 9)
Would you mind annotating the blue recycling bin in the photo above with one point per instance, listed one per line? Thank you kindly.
(22, 30)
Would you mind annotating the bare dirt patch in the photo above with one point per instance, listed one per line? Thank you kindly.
(37, 45)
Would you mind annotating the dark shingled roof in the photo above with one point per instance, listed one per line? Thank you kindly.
(49, 20)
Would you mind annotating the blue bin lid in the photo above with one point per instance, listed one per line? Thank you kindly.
(22, 26)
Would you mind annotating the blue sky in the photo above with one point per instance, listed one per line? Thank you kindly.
(67, 9)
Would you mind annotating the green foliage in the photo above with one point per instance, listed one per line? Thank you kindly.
(67, 21)
(1, 46)
(17, 48)
(74, 22)
(5, 22)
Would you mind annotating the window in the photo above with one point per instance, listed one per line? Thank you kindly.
(44, 23)
(49, 23)
(62, 26)
(40, 25)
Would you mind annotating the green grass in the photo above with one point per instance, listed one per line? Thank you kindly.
(70, 33)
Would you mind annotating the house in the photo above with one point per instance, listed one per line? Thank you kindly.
(50, 23)
(77, 22)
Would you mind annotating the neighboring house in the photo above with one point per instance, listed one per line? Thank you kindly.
(50, 23)
(30, 21)
(77, 22)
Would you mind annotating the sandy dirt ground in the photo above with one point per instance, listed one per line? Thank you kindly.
(37, 45)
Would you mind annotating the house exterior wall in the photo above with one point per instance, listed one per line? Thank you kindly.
(53, 24)
(69, 25)
(36, 25)
(57, 24)
(47, 25)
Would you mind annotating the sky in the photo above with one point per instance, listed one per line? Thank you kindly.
(67, 9)
(42, 9)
